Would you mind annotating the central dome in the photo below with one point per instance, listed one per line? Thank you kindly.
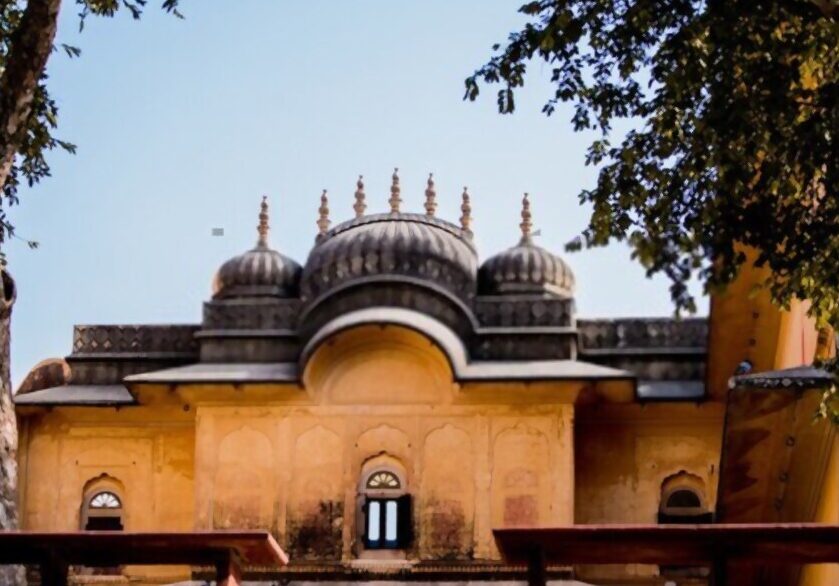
(392, 247)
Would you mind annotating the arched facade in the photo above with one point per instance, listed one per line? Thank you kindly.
(380, 409)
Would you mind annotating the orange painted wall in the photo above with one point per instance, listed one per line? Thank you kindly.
(745, 325)
(828, 512)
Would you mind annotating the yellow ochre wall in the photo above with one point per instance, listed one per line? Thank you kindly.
(148, 451)
(288, 457)
(828, 512)
(291, 459)
(626, 453)
(745, 325)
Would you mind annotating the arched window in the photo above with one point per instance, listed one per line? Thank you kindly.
(683, 501)
(102, 511)
(386, 510)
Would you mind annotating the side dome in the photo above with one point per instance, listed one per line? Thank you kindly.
(259, 272)
(526, 268)
(397, 247)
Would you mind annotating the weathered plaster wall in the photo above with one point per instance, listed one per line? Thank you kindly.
(289, 458)
(625, 453)
(370, 393)
(146, 454)
(149, 452)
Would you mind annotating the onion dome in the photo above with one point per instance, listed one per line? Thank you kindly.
(259, 272)
(395, 246)
(526, 268)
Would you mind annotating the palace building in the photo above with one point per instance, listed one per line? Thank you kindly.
(383, 406)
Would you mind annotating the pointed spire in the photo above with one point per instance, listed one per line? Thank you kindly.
(526, 220)
(360, 205)
(466, 217)
(262, 228)
(323, 214)
(395, 200)
(430, 197)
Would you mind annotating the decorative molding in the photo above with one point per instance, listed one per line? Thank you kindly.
(279, 314)
(134, 341)
(643, 334)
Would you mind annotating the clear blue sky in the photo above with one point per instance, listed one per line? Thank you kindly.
(183, 124)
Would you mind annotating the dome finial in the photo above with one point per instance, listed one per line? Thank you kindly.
(262, 228)
(395, 200)
(430, 197)
(466, 217)
(360, 205)
(323, 214)
(526, 220)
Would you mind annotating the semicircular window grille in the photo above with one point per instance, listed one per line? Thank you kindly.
(383, 480)
(105, 500)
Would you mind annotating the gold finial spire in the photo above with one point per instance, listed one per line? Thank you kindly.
(360, 205)
(430, 196)
(466, 217)
(526, 219)
(323, 214)
(262, 228)
(395, 200)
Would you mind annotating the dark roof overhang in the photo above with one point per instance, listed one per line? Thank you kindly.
(76, 395)
(775, 455)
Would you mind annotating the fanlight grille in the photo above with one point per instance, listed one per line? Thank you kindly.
(383, 480)
(105, 500)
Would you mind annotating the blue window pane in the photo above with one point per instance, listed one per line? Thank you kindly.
(390, 521)
(373, 514)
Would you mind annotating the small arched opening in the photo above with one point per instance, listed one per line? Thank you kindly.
(386, 514)
(102, 505)
(683, 501)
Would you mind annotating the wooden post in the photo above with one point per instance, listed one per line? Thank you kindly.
(536, 568)
(53, 571)
(718, 571)
(228, 570)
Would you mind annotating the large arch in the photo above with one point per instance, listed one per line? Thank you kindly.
(396, 291)
(437, 332)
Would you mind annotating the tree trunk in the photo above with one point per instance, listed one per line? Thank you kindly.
(31, 46)
(9, 575)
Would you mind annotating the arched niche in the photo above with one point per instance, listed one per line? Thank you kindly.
(377, 364)
(384, 441)
(243, 486)
(384, 524)
(447, 492)
(103, 506)
(521, 478)
(316, 505)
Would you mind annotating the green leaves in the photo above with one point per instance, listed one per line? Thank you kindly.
(829, 406)
(735, 134)
(735, 115)
(30, 164)
(71, 51)
(109, 8)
